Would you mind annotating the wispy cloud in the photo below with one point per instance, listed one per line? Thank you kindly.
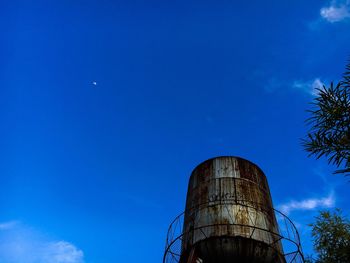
(308, 204)
(19, 243)
(311, 87)
(337, 11)
(62, 252)
(7, 225)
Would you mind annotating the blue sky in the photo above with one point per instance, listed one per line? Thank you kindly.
(107, 106)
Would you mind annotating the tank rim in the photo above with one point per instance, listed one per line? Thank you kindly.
(226, 156)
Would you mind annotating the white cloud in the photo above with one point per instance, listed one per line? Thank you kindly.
(62, 252)
(7, 225)
(336, 11)
(309, 87)
(19, 243)
(308, 204)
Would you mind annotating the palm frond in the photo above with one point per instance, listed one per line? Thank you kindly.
(329, 132)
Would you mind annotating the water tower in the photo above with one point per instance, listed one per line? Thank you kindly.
(229, 218)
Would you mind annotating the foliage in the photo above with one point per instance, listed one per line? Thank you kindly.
(331, 234)
(329, 135)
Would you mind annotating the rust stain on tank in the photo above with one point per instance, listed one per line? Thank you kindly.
(226, 196)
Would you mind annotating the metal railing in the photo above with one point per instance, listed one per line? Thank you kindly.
(286, 233)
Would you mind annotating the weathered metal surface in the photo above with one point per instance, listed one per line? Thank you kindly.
(213, 183)
(229, 217)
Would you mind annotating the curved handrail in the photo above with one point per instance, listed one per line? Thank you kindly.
(176, 232)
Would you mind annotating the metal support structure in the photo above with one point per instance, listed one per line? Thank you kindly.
(287, 234)
(229, 217)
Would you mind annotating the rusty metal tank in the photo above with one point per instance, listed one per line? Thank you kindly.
(229, 218)
(228, 205)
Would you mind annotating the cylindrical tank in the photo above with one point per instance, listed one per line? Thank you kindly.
(229, 216)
